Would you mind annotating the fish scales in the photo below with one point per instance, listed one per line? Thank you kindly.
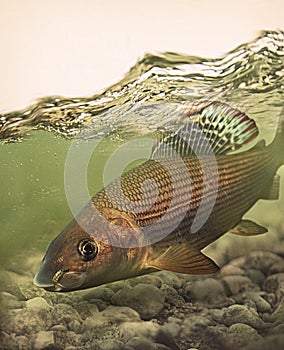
(217, 189)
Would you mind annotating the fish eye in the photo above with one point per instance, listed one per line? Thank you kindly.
(88, 249)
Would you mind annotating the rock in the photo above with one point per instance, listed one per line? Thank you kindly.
(229, 270)
(58, 328)
(274, 282)
(138, 343)
(209, 291)
(10, 301)
(146, 279)
(277, 267)
(242, 314)
(278, 314)
(111, 315)
(270, 298)
(259, 260)
(173, 329)
(166, 335)
(237, 284)
(277, 329)
(171, 295)
(24, 322)
(85, 309)
(8, 341)
(273, 342)
(120, 314)
(23, 343)
(63, 314)
(161, 347)
(43, 340)
(241, 329)
(75, 326)
(261, 304)
(116, 286)
(146, 299)
(37, 303)
(110, 344)
(102, 293)
(170, 278)
(194, 324)
(220, 338)
(101, 305)
(217, 315)
(256, 276)
(146, 329)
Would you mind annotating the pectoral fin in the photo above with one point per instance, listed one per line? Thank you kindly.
(248, 228)
(181, 259)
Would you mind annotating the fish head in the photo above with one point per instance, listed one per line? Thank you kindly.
(76, 259)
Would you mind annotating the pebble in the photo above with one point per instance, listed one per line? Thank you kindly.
(102, 293)
(171, 295)
(75, 326)
(217, 315)
(170, 278)
(261, 304)
(273, 342)
(256, 276)
(259, 260)
(194, 324)
(111, 315)
(241, 328)
(237, 284)
(63, 314)
(110, 344)
(116, 286)
(274, 282)
(147, 329)
(278, 314)
(23, 322)
(10, 301)
(239, 307)
(242, 314)
(209, 290)
(148, 279)
(85, 309)
(37, 303)
(166, 335)
(43, 340)
(229, 270)
(101, 305)
(146, 299)
(139, 343)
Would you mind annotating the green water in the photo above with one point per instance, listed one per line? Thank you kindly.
(33, 205)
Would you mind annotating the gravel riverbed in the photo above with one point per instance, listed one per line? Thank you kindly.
(240, 307)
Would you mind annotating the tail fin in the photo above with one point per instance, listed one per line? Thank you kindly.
(278, 142)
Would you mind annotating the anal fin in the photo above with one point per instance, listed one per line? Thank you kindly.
(182, 259)
(248, 228)
(272, 192)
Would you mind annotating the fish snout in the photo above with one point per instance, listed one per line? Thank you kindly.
(59, 281)
(44, 277)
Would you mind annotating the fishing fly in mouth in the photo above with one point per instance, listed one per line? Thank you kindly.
(197, 185)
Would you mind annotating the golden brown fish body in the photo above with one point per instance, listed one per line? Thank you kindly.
(123, 239)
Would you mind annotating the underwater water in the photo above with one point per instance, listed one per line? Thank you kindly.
(33, 207)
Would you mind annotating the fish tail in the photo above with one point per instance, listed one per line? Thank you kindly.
(278, 142)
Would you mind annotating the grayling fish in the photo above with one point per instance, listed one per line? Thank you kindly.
(77, 259)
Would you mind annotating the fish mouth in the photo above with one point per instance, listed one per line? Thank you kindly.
(62, 280)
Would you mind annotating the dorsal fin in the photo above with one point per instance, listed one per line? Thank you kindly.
(213, 127)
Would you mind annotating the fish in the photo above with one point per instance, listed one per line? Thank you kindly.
(146, 220)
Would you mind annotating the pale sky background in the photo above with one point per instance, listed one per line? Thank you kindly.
(77, 48)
